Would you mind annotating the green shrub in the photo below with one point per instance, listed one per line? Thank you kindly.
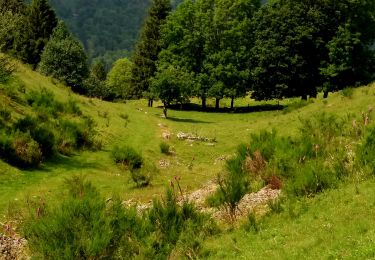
(297, 105)
(311, 178)
(45, 100)
(366, 150)
(164, 148)
(172, 224)
(75, 135)
(39, 132)
(127, 156)
(143, 176)
(233, 184)
(20, 150)
(347, 92)
(82, 226)
(71, 107)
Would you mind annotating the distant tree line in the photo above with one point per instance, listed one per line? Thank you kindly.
(32, 33)
(228, 48)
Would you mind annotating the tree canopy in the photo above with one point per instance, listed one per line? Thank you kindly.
(65, 59)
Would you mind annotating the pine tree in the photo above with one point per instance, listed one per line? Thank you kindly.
(65, 59)
(37, 29)
(148, 48)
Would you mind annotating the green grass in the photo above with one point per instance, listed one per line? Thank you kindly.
(142, 131)
(336, 224)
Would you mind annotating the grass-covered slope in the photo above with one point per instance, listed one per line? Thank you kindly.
(195, 162)
(336, 224)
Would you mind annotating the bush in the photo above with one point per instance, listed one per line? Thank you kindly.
(172, 224)
(311, 178)
(366, 151)
(44, 100)
(20, 150)
(143, 176)
(347, 92)
(127, 156)
(164, 148)
(82, 226)
(75, 135)
(233, 184)
(40, 133)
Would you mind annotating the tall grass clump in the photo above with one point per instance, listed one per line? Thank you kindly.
(82, 226)
(19, 149)
(234, 183)
(164, 148)
(177, 228)
(44, 101)
(366, 151)
(347, 92)
(127, 156)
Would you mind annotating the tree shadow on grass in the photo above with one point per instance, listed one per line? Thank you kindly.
(236, 110)
(69, 164)
(187, 120)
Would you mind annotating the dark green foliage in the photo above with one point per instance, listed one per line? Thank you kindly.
(127, 156)
(95, 85)
(19, 149)
(64, 58)
(39, 22)
(82, 226)
(107, 29)
(148, 47)
(317, 45)
(75, 135)
(39, 132)
(164, 148)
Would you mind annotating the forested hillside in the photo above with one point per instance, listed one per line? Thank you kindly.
(108, 29)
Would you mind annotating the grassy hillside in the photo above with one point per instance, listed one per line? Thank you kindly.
(144, 132)
(325, 217)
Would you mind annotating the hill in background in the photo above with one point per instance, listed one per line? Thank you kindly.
(108, 29)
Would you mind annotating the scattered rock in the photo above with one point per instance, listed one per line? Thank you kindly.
(164, 163)
(11, 247)
(190, 136)
(161, 125)
(166, 135)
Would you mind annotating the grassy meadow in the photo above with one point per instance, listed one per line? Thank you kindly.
(334, 224)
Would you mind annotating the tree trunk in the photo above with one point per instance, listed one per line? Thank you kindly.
(204, 103)
(217, 104)
(325, 95)
(151, 102)
(232, 103)
(165, 111)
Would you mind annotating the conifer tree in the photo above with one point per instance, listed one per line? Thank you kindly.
(37, 28)
(65, 59)
(148, 48)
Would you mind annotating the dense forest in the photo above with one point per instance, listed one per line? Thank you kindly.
(108, 29)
